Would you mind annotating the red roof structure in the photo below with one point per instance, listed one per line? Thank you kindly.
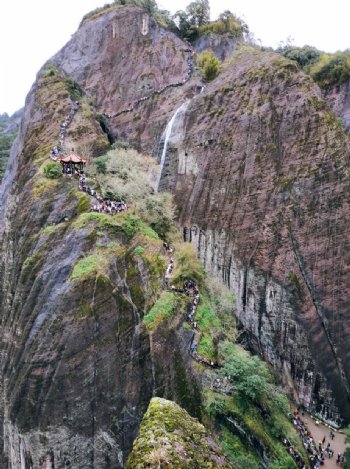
(72, 157)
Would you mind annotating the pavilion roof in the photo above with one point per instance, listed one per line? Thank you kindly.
(72, 157)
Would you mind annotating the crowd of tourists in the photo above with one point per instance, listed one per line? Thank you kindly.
(99, 204)
(317, 451)
(57, 149)
(190, 289)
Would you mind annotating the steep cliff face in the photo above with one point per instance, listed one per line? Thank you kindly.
(260, 171)
(134, 70)
(339, 100)
(221, 44)
(76, 365)
(258, 165)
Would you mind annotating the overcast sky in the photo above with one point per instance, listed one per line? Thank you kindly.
(31, 31)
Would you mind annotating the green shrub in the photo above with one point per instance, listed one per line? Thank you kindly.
(284, 462)
(208, 64)
(227, 23)
(347, 458)
(5, 147)
(331, 69)
(249, 374)
(163, 308)
(52, 170)
(158, 211)
(88, 266)
(73, 88)
(50, 70)
(100, 164)
(148, 232)
(139, 250)
(131, 225)
(83, 204)
(304, 56)
(187, 266)
(120, 145)
(245, 462)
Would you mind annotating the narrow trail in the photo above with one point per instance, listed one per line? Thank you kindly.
(99, 204)
(324, 446)
(191, 290)
(188, 76)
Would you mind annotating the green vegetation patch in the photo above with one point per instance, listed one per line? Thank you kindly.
(227, 23)
(164, 307)
(208, 64)
(123, 223)
(331, 69)
(254, 423)
(249, 375)
(52, 228)
(89, 266)
(83, 204)
(52, 170)
(326, 69)
(209, 325)
(187, 265)
(139, 250)
(148, 232)
(170, 437)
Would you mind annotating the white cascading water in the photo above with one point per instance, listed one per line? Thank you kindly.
(167, 134)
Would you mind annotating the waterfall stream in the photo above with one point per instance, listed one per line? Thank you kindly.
(167, 134)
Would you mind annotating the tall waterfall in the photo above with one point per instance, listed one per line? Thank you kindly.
(167, 134)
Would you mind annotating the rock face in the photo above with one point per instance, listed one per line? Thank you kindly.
(221, 44)
(259, 168)
(170, 437)
(76, 368)
(260, 171)
(135, 71)
(339, 100)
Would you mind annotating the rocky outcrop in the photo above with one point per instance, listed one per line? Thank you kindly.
(221, 44)
(339, 99)
(170, 437)
(259, 170)
(134, 70)
(258, 165)
(75, 370)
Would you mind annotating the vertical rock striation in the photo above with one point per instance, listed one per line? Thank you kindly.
(339, 99)
(260, 174)
(134, 70)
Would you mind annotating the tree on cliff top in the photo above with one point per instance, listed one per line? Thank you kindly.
(188, 21)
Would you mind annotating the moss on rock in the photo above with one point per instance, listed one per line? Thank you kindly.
(170, 438)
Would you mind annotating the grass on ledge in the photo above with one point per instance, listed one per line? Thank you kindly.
(163, 308)
(90, 265)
